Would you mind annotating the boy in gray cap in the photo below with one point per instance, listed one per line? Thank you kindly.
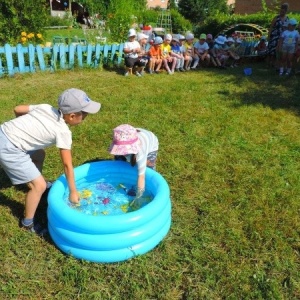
(23, 140)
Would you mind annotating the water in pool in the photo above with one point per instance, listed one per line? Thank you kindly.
(104, 198)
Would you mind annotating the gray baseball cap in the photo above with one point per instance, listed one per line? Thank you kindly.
(75, 100)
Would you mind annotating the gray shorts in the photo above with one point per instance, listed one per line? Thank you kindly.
(286, 48)
(16, 163)
(151, 160)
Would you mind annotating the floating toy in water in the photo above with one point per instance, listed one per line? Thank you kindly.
(74, 204)
(85, 194)
(113, 237)
(122, 186)
(131, 192)
(105, 200)
(124, 208)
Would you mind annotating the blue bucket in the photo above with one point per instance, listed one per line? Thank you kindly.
(248, 71)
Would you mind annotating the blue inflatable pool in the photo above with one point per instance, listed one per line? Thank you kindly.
(109, 238)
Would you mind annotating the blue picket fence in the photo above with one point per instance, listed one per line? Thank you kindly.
(22, 59)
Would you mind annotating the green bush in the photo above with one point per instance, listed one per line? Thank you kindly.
(57, 21)
(21, 16)
(122, 15)
(219, 22)
(179, 23)
(149, 17)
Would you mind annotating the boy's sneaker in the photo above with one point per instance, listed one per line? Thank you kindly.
(156, 72)
(138, 74)
(126, 74)
(182, 70)
(150, 72)
(34, 228)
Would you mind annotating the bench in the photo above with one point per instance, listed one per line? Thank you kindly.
(56, 27)
(247, 50)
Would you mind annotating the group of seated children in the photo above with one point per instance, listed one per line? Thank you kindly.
(182, 53)
(178, 53)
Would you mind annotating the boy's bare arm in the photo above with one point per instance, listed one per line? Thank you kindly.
(20, 110)
(66, 157)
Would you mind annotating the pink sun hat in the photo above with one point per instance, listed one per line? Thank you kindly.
(125, 140)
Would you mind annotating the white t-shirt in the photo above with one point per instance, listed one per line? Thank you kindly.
(201, 47)
(149, 143)
(41, 127)
(290, 37)
(132, 46)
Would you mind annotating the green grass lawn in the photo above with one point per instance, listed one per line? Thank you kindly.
(229, 149)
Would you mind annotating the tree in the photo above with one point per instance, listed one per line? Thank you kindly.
(122, 15)
(102, 7)
(172, 4)
(198, 10)
(96, 6)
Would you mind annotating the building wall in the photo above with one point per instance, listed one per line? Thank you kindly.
(161, 3)
(253, 6)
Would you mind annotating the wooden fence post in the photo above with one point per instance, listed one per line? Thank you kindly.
(71, 56)
(40, 56)
(1, 64)
(31, 53)
(9, 59)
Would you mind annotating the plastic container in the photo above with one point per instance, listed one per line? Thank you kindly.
(248, 71)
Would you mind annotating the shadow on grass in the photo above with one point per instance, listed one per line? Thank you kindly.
(119, 70)
(17, 208)
(95, 160)
(267, 88)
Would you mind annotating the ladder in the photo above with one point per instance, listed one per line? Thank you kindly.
(164, 21)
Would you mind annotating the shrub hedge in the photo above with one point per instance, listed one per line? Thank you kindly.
(219, 22)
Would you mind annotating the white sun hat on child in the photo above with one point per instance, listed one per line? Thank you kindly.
(158, 40)
(189, 36)
(168, 37)
(142, 36)
(175, 38)
(131, 32)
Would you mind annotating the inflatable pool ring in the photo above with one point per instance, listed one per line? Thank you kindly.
(109, 238)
